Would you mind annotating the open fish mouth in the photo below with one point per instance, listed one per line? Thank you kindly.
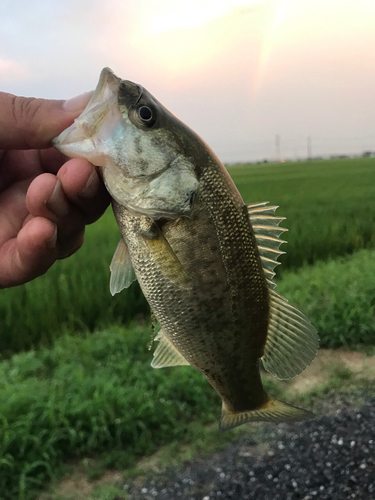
(82, 136)
(142, 165)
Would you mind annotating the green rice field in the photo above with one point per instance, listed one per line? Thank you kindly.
(330, 211)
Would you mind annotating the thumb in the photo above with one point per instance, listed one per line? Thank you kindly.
(29, 123)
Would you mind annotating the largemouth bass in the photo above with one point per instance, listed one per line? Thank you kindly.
(203, 259)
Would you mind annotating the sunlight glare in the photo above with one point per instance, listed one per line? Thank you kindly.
(192, 14)
(279, 15)
(182, 40)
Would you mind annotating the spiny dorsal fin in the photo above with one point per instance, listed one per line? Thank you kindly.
(269, 241)
(166, 354)
(122, 272)
(292, 342)
(265, 225)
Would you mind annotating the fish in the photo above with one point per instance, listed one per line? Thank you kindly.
(203, 258)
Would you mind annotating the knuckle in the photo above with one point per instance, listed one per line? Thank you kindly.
(25, 112)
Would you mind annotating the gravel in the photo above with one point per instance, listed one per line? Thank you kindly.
(332, 457)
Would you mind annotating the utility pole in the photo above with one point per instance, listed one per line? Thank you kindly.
(277, 147)
(309, 154)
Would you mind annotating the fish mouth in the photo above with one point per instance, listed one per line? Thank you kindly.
(82, 138)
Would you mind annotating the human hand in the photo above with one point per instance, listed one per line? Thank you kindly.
(45, 199)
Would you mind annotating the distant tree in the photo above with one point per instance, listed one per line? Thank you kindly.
(368, 154)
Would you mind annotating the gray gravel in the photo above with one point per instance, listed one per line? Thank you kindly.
(332, 457)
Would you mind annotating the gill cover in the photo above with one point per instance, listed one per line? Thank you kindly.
(126, 132)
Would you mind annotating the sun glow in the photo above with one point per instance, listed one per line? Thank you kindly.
(277, 15)
(262, 41)
(184, 37)
(193, 14)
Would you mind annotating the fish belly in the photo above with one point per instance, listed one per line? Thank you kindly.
(214, 305)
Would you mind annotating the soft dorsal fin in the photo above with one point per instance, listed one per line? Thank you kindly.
(122, 272)
(292, 341)
(267, 233)
(166, 354)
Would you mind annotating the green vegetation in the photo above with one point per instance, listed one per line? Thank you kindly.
(338, 297)
(94, 396)
(329, 205)
(330, 210)
(98, 397)
(91, 396)
(72, 297)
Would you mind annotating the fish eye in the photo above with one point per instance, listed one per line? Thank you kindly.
(145, 113)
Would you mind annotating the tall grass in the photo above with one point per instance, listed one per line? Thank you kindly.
(91, 396)
(330, 210)
(98, 396)
(338, 297)
(73, 296)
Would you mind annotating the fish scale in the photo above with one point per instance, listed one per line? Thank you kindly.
(244, 273)
(203, 259)
(203, 339)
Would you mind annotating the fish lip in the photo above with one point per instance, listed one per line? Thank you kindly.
(107, 78)
(106, 90)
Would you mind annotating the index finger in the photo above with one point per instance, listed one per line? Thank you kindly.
(30, 123)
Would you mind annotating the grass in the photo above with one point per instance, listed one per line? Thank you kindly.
(91, 396)
(204, 439)
(94, 398)
(338, 297)
(97, 397)
(330, 210)
(325, 396)
(72, 297)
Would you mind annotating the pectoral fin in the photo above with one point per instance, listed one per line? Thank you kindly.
(164, 256)
(122, 272)
(166, 353)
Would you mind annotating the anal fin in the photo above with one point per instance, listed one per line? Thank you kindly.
(272, 411)
(166, 354)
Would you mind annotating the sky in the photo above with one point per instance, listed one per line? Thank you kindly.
(257, 79)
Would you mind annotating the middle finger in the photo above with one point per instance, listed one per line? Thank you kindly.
(46, 198)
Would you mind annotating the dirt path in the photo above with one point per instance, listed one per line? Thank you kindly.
(327, 360)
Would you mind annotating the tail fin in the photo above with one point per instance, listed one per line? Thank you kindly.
(272, 411)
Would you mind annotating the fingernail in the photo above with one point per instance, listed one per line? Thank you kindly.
(77, 104)
(57, 202)
(91, 186)
(52, 242)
